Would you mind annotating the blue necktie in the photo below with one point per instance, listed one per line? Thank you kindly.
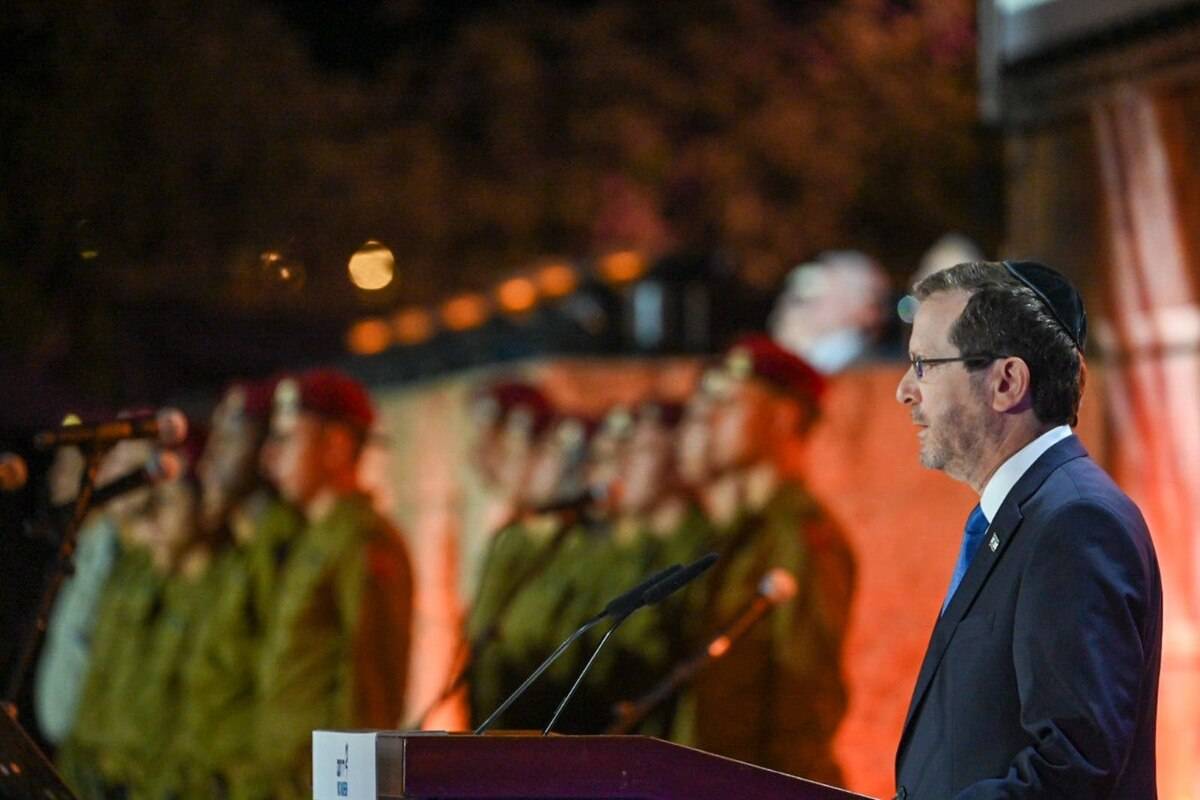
(977, 526)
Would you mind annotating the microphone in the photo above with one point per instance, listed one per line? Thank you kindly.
(632, 597)
(670, 580)
(168, 426)
(676, 581)
(776, 587)
(624, 605)
(160, 467)
(14, 473)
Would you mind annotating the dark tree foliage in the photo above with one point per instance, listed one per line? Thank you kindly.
(151, 151)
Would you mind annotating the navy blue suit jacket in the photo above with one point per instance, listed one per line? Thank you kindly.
(1041, 677)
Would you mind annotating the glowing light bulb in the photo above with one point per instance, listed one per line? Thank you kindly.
(464, 312)
(372, 266)
(557, 280)
(622, 267)
(412, 325)
(369, 336)
(517, 295)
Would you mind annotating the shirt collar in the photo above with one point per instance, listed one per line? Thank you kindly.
(1005, 478)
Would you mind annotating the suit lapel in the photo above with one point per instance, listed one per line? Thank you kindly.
(1002, 530)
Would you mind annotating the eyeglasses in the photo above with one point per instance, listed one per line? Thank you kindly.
(919, 363)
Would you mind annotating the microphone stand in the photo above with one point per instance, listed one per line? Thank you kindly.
(537, 673)
(630, 713)
(63, 566)
(659, 587)
(619, 608)
(583, 672)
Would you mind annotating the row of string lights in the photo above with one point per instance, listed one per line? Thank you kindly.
(372, 267)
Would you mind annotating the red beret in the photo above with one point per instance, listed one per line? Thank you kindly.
(505, 397)
(248, 399)
(761, 356)
(327, 393)
(259, 396)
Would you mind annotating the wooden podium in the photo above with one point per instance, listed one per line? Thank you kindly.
(511, 766)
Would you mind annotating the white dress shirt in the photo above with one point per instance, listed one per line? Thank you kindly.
(1005, 478)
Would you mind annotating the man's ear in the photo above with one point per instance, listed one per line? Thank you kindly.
(789, 417)
(1011, 388)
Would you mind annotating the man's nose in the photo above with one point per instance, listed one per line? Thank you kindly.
(907, 391)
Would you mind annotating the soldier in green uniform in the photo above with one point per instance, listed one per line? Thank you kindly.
(547, 575)
(121, 631)
(507, 416)
(777, 697)
(150, 768)
(649, 500)
(253, 527)
(657, 524)
(131, 697)
(336, 650)
(65, 656)
(521, 589)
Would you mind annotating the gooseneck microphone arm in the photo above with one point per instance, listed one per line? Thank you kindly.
(583, 672)
(620, 606)
(468, 647)
(669, 582)
(537, 673)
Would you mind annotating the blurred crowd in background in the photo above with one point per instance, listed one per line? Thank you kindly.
(219, 616)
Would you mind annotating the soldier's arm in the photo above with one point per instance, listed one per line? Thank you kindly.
(811, 697)
(383, 635)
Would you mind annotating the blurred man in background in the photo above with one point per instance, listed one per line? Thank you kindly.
(528, 570)
(66, 652)
(777, 697)
(833, 310)
(150, 602)
(251, 529)
(336, 652)
(507, 417)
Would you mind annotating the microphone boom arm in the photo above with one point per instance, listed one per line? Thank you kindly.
(575, 686)
(537, 673)
(620, 607)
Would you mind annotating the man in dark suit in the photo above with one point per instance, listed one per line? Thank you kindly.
(1041, 677)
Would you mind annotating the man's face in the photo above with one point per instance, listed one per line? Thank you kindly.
(227, 465)
(163, 524)
(693, 440)
(743, 425)
(296, 456)
(947, 404)
(502, 453)
(554, 464)
(605, 461)
(645, 465)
